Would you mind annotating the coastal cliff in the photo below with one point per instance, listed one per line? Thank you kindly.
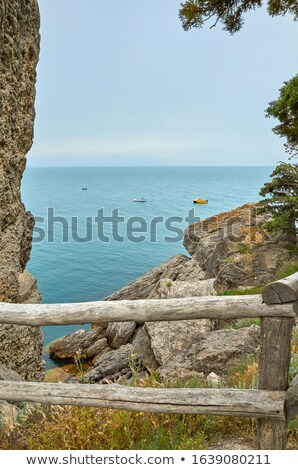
(20, 347)
(229, 250)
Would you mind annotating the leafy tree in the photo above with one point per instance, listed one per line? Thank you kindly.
(194, 13)
(283, 197)
(283, 189)
(285, 109)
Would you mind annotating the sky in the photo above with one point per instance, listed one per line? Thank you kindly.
(120, 83)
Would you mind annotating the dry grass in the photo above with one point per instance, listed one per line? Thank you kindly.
(79, 428)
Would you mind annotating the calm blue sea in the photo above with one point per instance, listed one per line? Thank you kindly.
(69, 269)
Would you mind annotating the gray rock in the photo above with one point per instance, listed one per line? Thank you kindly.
(171, 340)
(86, 342)
(179, 267)
(234, 248)
(119, 334)
(189, 346)
(221, 347)
(111, 363)
(28, 289)
(21, 347)
(167, 289)
(10, 375)
(143, 350)
(213, 379)
(8, 413)
(96, 349)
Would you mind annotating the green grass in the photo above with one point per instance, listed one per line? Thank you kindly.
(288, 270)
(84, 428)
(250, 291)
(242, 248)
(242, 323)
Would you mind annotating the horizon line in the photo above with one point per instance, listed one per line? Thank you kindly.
(150, 166)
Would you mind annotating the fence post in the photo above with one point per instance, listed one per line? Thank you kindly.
(274, 368)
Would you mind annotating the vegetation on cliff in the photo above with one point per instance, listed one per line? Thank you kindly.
(195, 13)
(282, 202)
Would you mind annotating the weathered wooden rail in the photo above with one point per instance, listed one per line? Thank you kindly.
(273, 404)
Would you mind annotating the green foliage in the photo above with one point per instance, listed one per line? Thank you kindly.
(244, 373)
(282, 202)
(194, 13)
(250, 291)
(287, 270)
(78, 360)
(285, 109)
(283, 188)
(242, 248)
(245, 323)
(293, 371)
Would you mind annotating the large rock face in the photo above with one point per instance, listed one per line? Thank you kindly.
(234, 248)
(19, 50)
(177, 268)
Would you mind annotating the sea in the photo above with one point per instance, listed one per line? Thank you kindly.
(91, 238)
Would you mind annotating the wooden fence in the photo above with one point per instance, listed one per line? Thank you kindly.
(273, 404)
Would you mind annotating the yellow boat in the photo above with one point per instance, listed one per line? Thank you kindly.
(200, 201)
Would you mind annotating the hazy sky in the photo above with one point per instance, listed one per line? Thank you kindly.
(121, 83)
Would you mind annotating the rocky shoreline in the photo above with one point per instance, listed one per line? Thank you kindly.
(228, 251)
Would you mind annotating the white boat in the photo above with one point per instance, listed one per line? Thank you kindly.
(142, 199)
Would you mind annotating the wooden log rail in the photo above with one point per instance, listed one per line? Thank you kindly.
(273, 404)
(292, 399)
(149, 310)
(227, 402)
(279, 292)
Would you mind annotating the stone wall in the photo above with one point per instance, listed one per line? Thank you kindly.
(19, 52)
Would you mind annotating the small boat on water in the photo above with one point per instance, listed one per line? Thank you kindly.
(142, 199)
(84, 189)
(200, 201)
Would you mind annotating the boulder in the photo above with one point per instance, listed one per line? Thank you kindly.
(9, 374)
(213, 379)
(171, 340)
(119, 334)
(28, 289)
(21, 349)
(111, 363)
(234, 247)
(168, 289)
(96, 349)
(222, 347)
(88, 343)
(142, 348)
(194, 347)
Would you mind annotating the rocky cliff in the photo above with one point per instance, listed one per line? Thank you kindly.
(20, 347)
(235, 249)
(231, 249)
